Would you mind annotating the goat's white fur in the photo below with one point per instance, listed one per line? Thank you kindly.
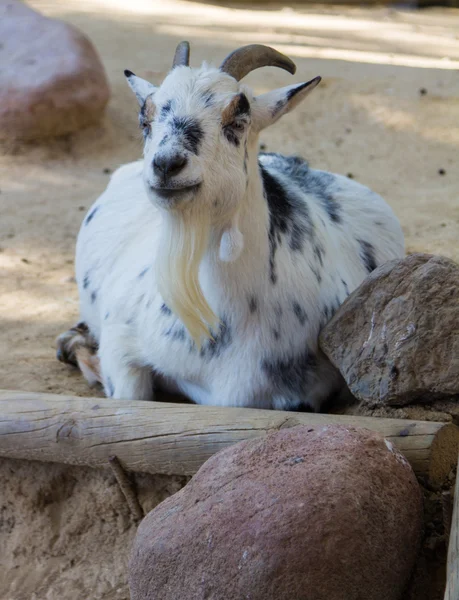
(221, 272)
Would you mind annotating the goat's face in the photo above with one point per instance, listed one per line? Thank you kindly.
(195, 139)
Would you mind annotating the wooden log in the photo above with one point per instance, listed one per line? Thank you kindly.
(452, 568)
(158, 437)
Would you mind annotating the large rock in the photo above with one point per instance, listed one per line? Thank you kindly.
(396, 338)
(303, 514)
(51, 79)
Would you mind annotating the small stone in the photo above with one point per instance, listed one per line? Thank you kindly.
(107, 170)
(53, 82)
(423, 91)
(26, 261)
(441, 172)
(350, 176)
(395, 339)
(332, 513)
(262, 147)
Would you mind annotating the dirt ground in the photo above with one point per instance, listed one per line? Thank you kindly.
(386, 113)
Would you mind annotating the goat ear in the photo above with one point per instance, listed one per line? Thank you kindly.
(141, 88)
(270, 107)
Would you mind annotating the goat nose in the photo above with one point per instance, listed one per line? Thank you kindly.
(169, 165)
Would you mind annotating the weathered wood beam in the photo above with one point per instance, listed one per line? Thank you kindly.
(159, 437)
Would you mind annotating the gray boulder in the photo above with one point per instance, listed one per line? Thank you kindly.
(395, 339)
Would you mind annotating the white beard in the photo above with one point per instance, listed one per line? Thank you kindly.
(185, 238)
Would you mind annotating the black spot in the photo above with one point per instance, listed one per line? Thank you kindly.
(93, 296)
(246, 158)
(165, 310)
(319, 186)
(208, 98)
(317, 274)
(219, 342)
(176, 333)
(276, 334)
(253, 304)
(128, 73)
(297, 237)
(287, 213)
(367, 255)
(110, 388)
(346, 287)
(319, 253)
(441, 172)
(297, 170)
(278, 107)
(243, 106)
(300, 313)
(272, 265)
(165, 110)
(290, 376)
(143, 272)
(86, 281)
(191, 131)
(144, 122)
(328, 311)
(231, 136)
(90, 217)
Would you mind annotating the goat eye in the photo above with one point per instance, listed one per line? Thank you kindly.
(237, 126)
(146, 127)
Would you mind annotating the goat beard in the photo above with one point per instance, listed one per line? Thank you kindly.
(185, 239)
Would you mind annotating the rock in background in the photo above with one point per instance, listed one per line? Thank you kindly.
(395, 339)
(52, 81)
(303, 514)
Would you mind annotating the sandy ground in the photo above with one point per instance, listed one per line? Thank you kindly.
(368, 118)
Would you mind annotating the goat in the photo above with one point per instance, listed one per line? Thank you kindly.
(209, 269)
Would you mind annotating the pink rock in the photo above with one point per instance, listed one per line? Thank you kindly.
(331, 513)
(52, 81)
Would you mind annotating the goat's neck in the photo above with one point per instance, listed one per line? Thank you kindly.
(249, 271)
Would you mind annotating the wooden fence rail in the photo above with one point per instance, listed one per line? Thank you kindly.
(168, 438)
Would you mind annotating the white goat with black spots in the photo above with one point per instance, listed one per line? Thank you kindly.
(208, 268)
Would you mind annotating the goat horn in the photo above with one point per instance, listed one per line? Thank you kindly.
(182, 55)
(248, 58)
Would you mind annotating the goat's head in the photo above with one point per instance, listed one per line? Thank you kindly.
(199, 127)
(197, 124)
